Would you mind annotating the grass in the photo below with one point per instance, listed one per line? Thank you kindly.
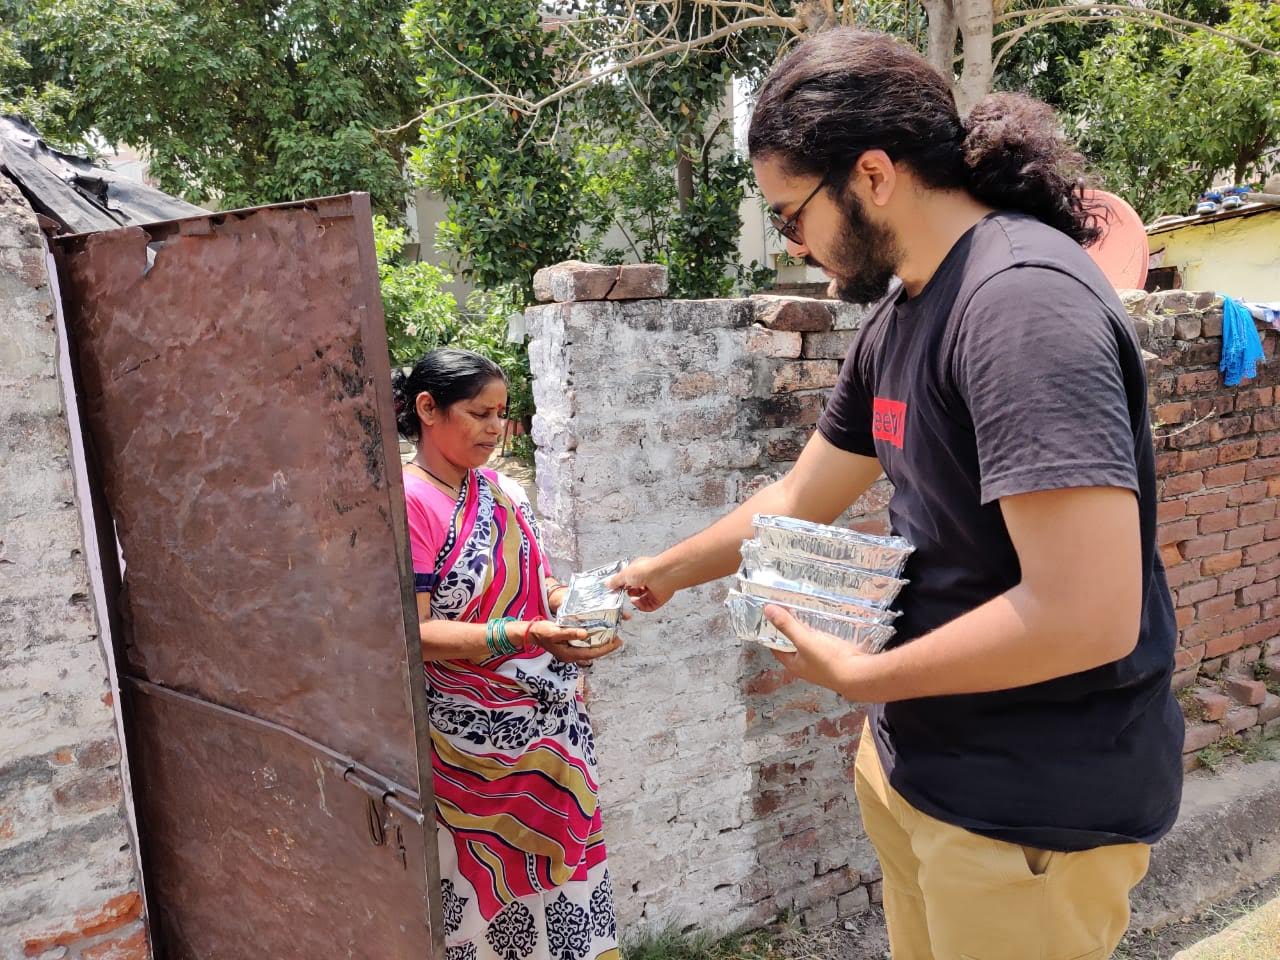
(675, 944)
(1213, 755)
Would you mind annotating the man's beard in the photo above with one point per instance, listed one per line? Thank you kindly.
(865, 257)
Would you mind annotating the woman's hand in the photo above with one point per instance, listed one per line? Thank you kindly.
(555, 640)
(555, 597)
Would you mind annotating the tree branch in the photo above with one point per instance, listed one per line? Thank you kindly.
(1124, 11)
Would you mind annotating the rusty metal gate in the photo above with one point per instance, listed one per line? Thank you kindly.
(235, 388)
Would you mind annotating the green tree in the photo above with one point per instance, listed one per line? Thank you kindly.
(1201, 105)
(28, 85)
(421, 315)
(236, 103)
(508, 178)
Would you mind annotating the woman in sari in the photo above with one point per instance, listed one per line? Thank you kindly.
(522, 856)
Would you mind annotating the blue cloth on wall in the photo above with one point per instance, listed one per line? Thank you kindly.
(1241, 345)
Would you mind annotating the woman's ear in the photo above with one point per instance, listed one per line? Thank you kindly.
(425, 404)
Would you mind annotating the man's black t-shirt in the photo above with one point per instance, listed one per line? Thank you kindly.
(1014, 370)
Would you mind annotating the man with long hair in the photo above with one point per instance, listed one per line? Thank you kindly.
(1023, 748)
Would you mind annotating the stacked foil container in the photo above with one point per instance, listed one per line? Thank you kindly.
(834, 580)
(591, 606)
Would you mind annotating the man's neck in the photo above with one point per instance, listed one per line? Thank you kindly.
(937, 220)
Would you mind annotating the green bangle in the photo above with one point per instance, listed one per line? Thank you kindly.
(504, 639)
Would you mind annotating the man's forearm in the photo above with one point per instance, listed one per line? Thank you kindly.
(1011, 641)
(715, 552)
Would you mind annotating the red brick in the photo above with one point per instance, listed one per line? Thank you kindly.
(1188, 657)
(1238, 450)
(1225, 476)
(1241, 718)
(99, 753)
(112, 915)
(1243, 617)
(805, 375)
(1198, 459)
(1220, 563)
(1181, 573)
(94, 791)
(1266, 420)
(1201, 382)
(1181, 483)
(1166, 463)
(1170, 555)
(1272, 530)
(1213, 407)
(1258, 512)
(1203, 631)
(1261, 469)
(1258, 592)
(1178, 531)
(1241, 663)
(1220, 521)
(1252, 399)
(1169, 510)
(1269, 445)
(1203, 546)
(1269, 709)
(1250, 493)
(1213, 706)
(1183, 617)
(1267, 571)
(1169, 413)
(1245, 536)
(1212, 667)
(1227, 643)
(1206, 503)
(1215, 607)
(1183, 679)
(799, 314)
(1233, 580)
(1195, 592)
(774, 343)
(1262, 552)
(1245, 691)
(828, 346)
(1227, 427)
(1268, 632)
(1200, 735)
(131, 947)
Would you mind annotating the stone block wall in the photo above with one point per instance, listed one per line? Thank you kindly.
(1218, 458)
(727, 789)
(68, 884)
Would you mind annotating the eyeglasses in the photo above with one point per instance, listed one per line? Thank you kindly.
(790, 227)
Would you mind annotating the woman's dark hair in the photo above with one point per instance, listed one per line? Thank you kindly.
(843, 92)
(448, 375)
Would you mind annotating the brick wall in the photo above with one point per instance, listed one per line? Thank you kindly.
(1218, 458)
(68, 886)
(727, 788)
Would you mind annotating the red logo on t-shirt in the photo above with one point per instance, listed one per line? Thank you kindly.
(889, 420)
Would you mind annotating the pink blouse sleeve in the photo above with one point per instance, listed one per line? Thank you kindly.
(426, 531)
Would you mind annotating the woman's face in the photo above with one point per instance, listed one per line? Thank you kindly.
(467, 433)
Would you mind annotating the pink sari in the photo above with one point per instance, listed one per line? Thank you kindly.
(521, 846)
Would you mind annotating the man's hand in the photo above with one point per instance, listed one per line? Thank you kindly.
(644, 581)
(819, 658)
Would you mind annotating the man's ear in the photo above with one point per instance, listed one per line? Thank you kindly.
(874, 178)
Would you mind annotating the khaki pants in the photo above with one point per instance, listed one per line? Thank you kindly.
(952, 895)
